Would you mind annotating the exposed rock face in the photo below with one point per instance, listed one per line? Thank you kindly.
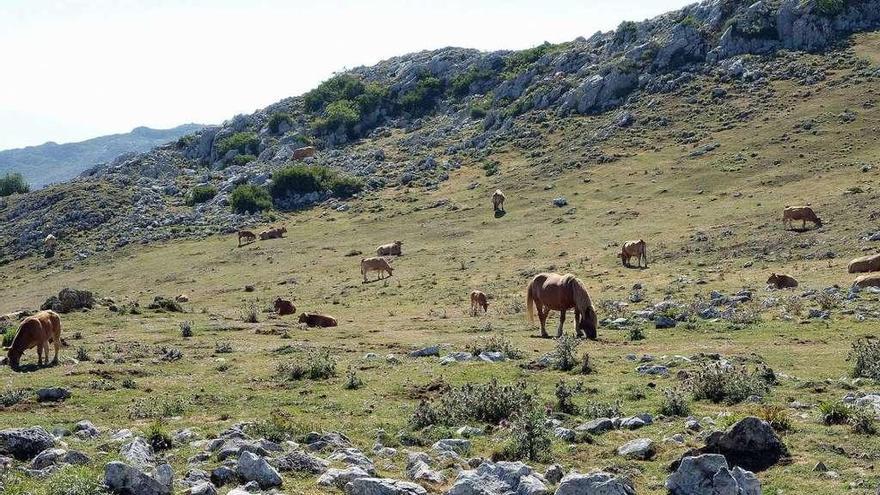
(252, 467)
(127, 480)
(710, 473)
(382, 486)
(750, 443)
(25, 443)
(598, 483)
(69, 300)
(500, 477)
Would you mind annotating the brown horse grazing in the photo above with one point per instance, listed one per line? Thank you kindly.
(551, 291)
(36, 331)
(478, 300)
(247, 235)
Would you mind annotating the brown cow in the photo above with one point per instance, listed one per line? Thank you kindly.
(36, 331)
(478, 300)
(498, 200)
(284, 307)
(634, 248)
(317, 320)
(304, 152)
(781, 281)
(273, 233)
(247, 235)
(802, 213)
(869, 280)
(380, 265)
(50, 242)
(393, 249)
(865, 264)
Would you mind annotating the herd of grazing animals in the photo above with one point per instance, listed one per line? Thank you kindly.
(544, 293)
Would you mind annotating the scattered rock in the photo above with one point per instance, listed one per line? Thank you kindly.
(341, 477)
(599, 483)
(709, 473)
(432, 350)
(382, 486)
(127, 480)
(25, 443)
(640, 448)
(252, 467)
(53, 394)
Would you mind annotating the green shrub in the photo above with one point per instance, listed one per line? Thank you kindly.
(834, 412)
(342, 114)
(495, 343)
(518, 61)
(303, 179)
(249, 198)
(587, 367)
(830, 8)
(776, 416)
(157, 435)
(421, 99)
(352, 380)
(373, 97)
(636, 333)
(201, 194)
(595, 409)
(339, 87)
(186, 329)
(565, 397)
(246, 143)
(625, 31)
(865, 356)
(529, 435)
(12, 397)
(345, 186)
(461, 84)
(249, 312)
(75, 480)
(8, 335)
(279, 426)
(241, 160)
(277, 119)
(564, 356)
(489, 402)
(491, 168)
(861, 421)
(674, 403)
(728, 384)
(13, 183)
(315, 365)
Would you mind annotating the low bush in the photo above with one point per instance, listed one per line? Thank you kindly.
(13, 183)
(249, 312)
(73, 480)
(494, 343)
(12, 397)
(352, 380)
(248, 198)
(635, 333)
(201, 194)
(596, 409)
(461, 84)
(315, 365)
(242, 160)
(276, 119)
(529, 435)
(246, 143)
(157, 435)
(565, 397)
(421, 99)
(8, 333)
(587, 367)
(729, 384)
(564, 356)
(834, 413)
(304, 179)
(862, 421)
(865, 358)
(342, 114)
(186, 330)
(489, 402)
(675, 403)
(830, 8)
(339, 87)
(776, 416)
(280, 426)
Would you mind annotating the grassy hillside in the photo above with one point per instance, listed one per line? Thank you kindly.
(712, 220)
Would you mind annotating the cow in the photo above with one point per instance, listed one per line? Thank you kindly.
(304, 152)
(393, 249)
(36, 331)
(380, 265)
(869, 280)
(478, 300)
(317, 320)
(498, 200)
(781, 281)
(247, 235)
(802, 213)
(50, 243)
(273, 233)
(634, 248)
(865, 264)
(284, 307)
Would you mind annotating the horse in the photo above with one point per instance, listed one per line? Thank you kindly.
(552, 291)
(498, 200)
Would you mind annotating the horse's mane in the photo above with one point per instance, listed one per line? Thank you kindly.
(578, 292)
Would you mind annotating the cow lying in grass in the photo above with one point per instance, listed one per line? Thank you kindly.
(316, 320)
(781, 281)
(273, 233)
(393, 249)
(35, 331)
(247, 236)
(284, 307)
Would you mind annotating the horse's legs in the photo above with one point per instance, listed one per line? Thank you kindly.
(577, 323)
(561, 323)
(542, 317)
(57, 343)
(39, 354)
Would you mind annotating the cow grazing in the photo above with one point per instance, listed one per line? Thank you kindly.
(634, 248)
(273, 233)
(36, 331)
(865, 264)
(393, 249)
(50, 242)
(247, 236)
(304, 152)
(498, 200)
(284, 307)
(781, 281)
(478, 300)
(869, 280)
(380, 265)
(802, 213)
(316, 320)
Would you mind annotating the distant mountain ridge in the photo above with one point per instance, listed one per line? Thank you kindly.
(52, 162)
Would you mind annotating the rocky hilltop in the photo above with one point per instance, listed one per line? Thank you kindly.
(410, 120)
(52, 162)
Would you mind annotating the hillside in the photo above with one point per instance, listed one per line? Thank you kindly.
(699, 159)
(51, 163)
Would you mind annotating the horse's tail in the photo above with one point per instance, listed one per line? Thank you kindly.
(530, 303)
(583, 303)
(645, 251)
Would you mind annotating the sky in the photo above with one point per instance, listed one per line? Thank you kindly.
(74, 69)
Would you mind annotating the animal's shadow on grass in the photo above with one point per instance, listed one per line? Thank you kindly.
(500, 213)
(30, 368)
(374, 281)
(631, 267)
(801, 230)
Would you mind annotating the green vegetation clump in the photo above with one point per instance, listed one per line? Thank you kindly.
(352, 380)
(565, 354)
(595, 409)
(674, 403)
(489, 402)
(201, 194)
(157, 435)
(241, 160)
(276, 119)
(728, 384)
(865, 356)
(8, 333)
(830, 8)
(342, 114)
(246, 143)
(304, 179)
(279, 426)
(342, 101)
(495, 343)
(517, 62)
(13, 183)
(834, 412)
(68, 480)
(625, 31)
(862, 420)
(316, 365)
(461, 84)
(248, 198)
(339, 87)
(565, 397)
(529, 435)
(12, 397)
(421, 99)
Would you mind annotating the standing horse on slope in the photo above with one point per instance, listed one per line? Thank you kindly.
(551, 291)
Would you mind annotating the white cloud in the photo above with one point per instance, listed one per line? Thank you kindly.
(77, 69)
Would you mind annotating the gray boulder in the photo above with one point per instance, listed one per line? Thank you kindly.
(340, 477)
(25, 443)
(382, 486)
(252, 467)
(751, 443)
(52, 394)
(127, 480)
(554, 473)
(497, 477)
(69, 300)
(203, 488)
(596, 426)
(418, 468)
(85, 429)
(457, 445)
(138, 453)
(431, 350)
(709, 473)
(301, 462)
(597, 483)
(354, 457)
(640, 448)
